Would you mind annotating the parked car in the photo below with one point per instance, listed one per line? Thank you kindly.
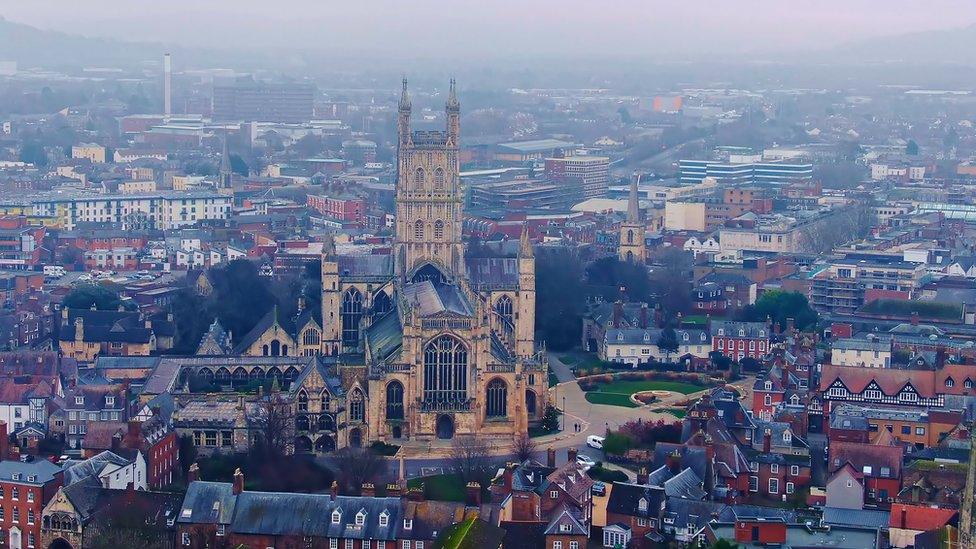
(586, 461)
(595, 441)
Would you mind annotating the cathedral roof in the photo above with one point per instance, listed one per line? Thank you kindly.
(385, 336)
(429, 299)
(493, 271)
(365, 266)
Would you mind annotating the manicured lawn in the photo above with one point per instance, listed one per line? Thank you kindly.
(610, 399)
(618, 393)
(447, 487)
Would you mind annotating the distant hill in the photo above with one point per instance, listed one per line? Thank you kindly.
(950, 46)
(30, 46)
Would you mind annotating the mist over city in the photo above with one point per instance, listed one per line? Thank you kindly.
(504, 275)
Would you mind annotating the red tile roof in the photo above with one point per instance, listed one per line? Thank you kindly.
(861, 455)
(917, 517)
(927, 383)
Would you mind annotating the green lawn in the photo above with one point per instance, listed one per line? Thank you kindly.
(618, 393)
(447, 487)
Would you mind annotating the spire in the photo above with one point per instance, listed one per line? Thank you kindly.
(404, 97)
(633, 207)
(328, 245)
(225, 167)
(525, 246)
(452, 100)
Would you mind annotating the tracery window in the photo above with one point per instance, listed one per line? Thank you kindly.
(352, 315)
(496, 399)
(445, 370)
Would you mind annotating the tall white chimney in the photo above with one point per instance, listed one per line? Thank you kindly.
(167, 86)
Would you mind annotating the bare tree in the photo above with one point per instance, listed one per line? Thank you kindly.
(274, 424)
(470, 458)
(356, 466)
(524, 447)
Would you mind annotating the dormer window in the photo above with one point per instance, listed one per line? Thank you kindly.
(361, 518)
(686, 337)
(407, 524)
(79, 400)
(336, 516)
(642, 504)
(721, 331)
(647, 336)
(769, 385)
(384, 518)
(110, 401)
(949, 382)
(787, 437)
(565, 528)
(762, 333)
(742, 333)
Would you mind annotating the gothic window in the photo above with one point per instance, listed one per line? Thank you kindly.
(504, 310)
(381, 304)
(302, 401)
(418, 177)
(357, 406)
(240, 375)
(311, 337)
(438, 229)
(445, 370)
(429, 272)
(418, 229)
(326, 400)
(352, 315)
(630, 236)
(394, 400)
(496, 401)
(439, 179)
(275, 348)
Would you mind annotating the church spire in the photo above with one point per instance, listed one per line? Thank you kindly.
(226, 173)
(404, 97)
(452, 101)
(633, 206)
(525, 246)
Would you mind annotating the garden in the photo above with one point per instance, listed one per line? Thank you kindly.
(616, 390)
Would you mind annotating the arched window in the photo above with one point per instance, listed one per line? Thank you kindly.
(326, 423)
(429, 272)
(352, 316)
(264, 350)
(326, 401)
(394, 400)
(439, 179)
(504, 310)
(275, 348)
(381, 304)
(302, 401)
(418, 177)
(496, 399)
(311, 337)
(240, 375)
(223, 375)
(630, 236)
(418, 229)
(445, 370)
(438, 229)
(357, 406)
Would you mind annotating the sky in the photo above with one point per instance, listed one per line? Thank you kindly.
(493, 28)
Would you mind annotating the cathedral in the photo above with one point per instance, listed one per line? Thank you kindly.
(429, 343)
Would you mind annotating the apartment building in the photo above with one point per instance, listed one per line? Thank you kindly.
(164, 210)
(840, 286)
(89, 151)
(592, 173)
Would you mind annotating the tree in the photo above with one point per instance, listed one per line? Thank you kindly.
(192, 318)
(911, 149)
(607, 275)
(130, 520)
(355, 467)
(240, 296)
(671, 281)
(550, 419)
(32, 152)
(559, 298)
(275, 427)
(86, 295)
(524, 447)
(668, 343)
(781, 306)
(719, 360)
(470, 458)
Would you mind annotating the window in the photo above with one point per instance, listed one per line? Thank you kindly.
(351, 316)
(794, 470)
(642, 504)
(574, 545)
(79, 400)
(554, 494)
(445, 371)
(15, 493)
(15, 514)
(557, 544)
(418, 229)
(906, 429)
(774, 486)
(641, 521)
(333, 543)
(221, 530)
(754, 466)
(349, 543)
(438, 230)
(360, 518)
(405, 544)
(774, 468)
(496, 399)
(384, 518)
(186, 538)
(920, 431)
(872, 394)
(753, 484)
(721, 344)
(789, 487)
(394, 400)
(357, 406)
(768, 400)
(418, 545)
(366, 544)
(336, 516)
(407, 524)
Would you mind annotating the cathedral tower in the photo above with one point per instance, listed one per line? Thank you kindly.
(428, 197)
(632, 248)
(525, 322)
(330, 298)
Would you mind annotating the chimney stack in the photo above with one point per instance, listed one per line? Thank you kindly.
(394, 490)
(333, 490)
(642, 475)
(368, 490)
(416, 493)
(194, 474)
(618, 313)
(133, 435)
(767, 441)
(238, 481)
(473, 490)
(674, 462)
(790, 325)
(571, 455)
(507, 476)
(643, 315)
(904, 516)
(551, 457)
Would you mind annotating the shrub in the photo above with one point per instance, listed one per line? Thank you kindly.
(617, 444)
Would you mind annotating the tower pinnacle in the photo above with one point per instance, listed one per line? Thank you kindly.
(404, 97)
(633, 207)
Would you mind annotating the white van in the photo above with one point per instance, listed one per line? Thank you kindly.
(54, 271)
(594, 441)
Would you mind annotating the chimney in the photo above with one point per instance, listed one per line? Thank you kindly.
(571, 455)
(473, 490)
(642, 475)
(133, 435)
(790, 325)
(79, 329)
(368, 490)
(674, 462)
(194, 474)
(551, 457)
(914, 318)
(618, 313)
(238, 481)
(507, 476)
(767, 441)
(394, 490)
(786, 378)
(940, 357)
(333, 490)
(904, 516)
(643, 315)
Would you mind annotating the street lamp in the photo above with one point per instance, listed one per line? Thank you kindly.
(564, 412)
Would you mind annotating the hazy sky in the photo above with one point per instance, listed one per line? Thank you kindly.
(436, 28)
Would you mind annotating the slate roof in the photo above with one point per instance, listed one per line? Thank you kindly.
(76, 471)
(867, 455)
(685, 484)
(291, 514)
(429, 299)
(385, 336)
(208, 503)
(752, 330)
(492, 272)
(365, 266)
(523, 534)
(624, 499)
(267, 321)
(683, 512)
(836, 516)
(41, 470)
(565, 522)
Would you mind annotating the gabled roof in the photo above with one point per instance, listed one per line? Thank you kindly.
(565, 523)
(918, 517)
(625, 498)
(867, 459)
(208, 503)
